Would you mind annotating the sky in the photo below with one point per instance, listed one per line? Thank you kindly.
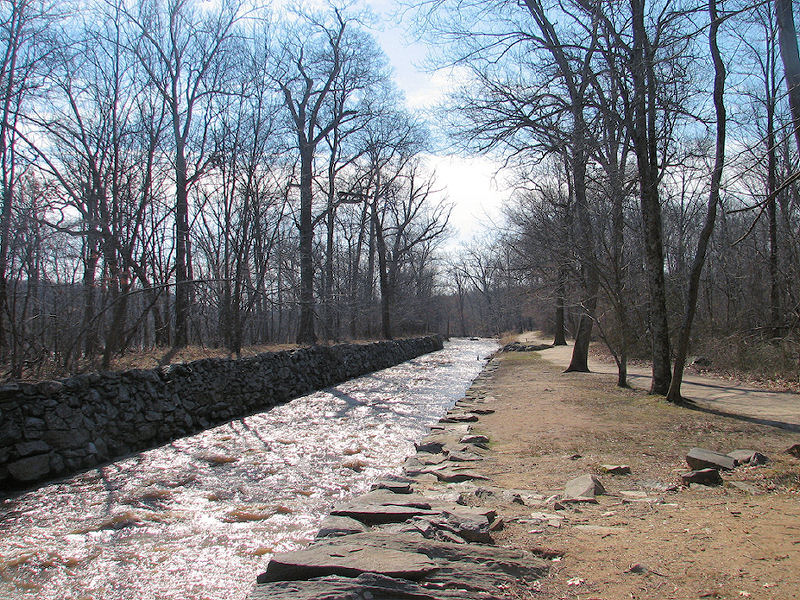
(472, 184)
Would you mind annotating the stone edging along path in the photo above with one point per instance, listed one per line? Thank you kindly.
(411, 537)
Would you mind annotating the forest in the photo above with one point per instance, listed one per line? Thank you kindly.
(224, 174)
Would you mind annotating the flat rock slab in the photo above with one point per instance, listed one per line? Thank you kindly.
(347, 560)
(377, 514)
(387, 498)
(368, 585)
(748, 457)
(335, 526)
(440, 569)
(702, 476)
(616, 469)
(453, 476)
(457, 456)
(700, 458)
(474, 439)
(585, 486)
(459, 418)
(395, 484)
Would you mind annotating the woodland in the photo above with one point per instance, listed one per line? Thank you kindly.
(228, 174)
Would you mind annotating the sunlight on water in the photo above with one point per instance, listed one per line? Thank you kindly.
(199, 518)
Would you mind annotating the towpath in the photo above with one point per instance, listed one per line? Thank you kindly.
(711, 394)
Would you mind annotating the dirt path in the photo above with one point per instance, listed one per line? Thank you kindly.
(710, 393)
(640, 541)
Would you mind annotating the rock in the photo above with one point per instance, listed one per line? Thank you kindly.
(482, 411)
(368, 585)
(29, 448)
(378, 514)
(347, 560)
(431, 444)
(700, 459)
(474, 439)
(31, 468)
(455, 527)
(794, 450)
(425, 458)
(452, 476)
(459, 418)
(748, 457)
(395, 484)
(457, 456)
(616, 469)
(702, 476)
(335, 526)
(585, 486)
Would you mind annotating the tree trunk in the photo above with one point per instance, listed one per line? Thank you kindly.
(787, 37)
(674, 394)
(305, 330)
(383, 276)
(182, 292)
(644, 142)
(560, 336)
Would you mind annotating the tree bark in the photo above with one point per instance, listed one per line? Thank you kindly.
(674, 394)
(644, 141)
(305, 331)
(787, 37)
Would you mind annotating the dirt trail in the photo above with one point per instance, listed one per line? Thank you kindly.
(711, 393)
(640, 541)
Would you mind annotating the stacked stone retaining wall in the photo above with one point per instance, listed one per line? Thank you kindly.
(54, 428)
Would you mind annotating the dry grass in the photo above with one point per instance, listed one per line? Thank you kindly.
(151, 358)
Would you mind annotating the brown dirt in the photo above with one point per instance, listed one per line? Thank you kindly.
(703, 542)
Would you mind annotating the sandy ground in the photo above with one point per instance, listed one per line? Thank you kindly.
(639, 541)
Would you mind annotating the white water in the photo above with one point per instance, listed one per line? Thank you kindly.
(198, 519)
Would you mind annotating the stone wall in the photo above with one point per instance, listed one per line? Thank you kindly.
(53, 428)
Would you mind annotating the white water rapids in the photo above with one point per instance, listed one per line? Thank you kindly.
(198, 518)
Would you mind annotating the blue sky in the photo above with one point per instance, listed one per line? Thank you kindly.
(468, 182)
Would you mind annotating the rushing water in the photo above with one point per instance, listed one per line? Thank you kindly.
(199, 518)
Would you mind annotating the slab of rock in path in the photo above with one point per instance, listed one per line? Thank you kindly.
(335, 526)
(426, 458)
(455, 527)
(702, 476)
(395, 484)
(616, 469)
(368, 585)
(459, 418)
(450, 475)
(748, 457)
(387, 498)
(375, 509)
(472, 567)
(457, 456)
(345, 559)
(482, 411)
(583, 487)
(700, 458)
(477, 440)
(455, 429)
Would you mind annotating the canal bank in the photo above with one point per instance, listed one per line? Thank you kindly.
(200, 517)
(425, 534)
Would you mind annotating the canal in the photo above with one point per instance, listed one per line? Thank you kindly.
(200, 517)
